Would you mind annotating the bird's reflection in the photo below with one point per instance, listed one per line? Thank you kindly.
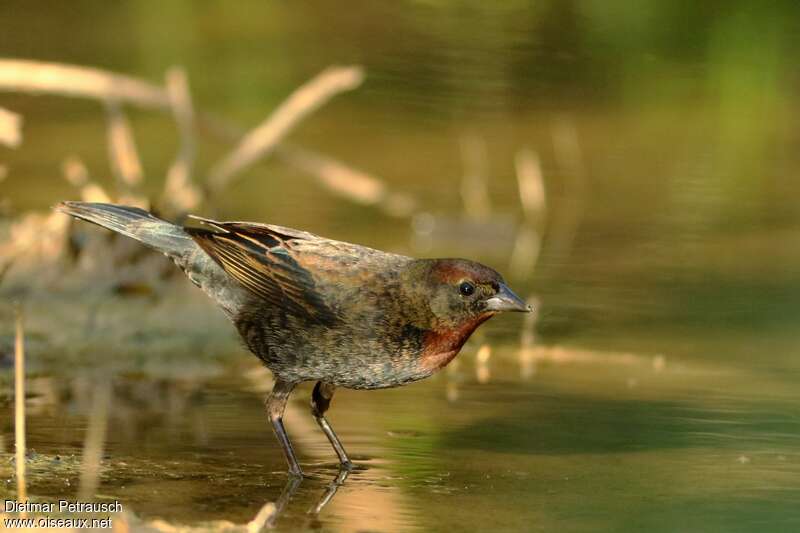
(330, 492)
(293, 483)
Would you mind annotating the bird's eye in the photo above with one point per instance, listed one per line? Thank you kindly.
(466, 288)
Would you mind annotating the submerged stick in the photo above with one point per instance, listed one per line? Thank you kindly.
(263, 139)
(19, 406)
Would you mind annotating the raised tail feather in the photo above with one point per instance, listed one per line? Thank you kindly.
(135, 223)
(167, 238)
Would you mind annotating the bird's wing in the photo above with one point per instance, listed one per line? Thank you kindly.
(265, 260)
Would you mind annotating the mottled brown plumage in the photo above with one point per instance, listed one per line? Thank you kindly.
(315, 309)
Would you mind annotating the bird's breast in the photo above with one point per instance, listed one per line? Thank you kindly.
(441, 346)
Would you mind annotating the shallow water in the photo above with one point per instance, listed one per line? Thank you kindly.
(661, 390)
(560, 437)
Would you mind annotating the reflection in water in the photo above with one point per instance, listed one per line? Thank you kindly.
(95, 440)
(330, 492)
(482, 372)
(293, 483)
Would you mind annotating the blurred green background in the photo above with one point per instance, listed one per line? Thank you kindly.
(670, 150)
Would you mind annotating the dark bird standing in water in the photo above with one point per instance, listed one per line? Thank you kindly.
(314, 309)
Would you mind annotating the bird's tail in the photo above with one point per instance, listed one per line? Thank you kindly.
(136, 223)
(168, 239)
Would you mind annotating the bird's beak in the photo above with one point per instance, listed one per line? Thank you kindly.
(506, 300)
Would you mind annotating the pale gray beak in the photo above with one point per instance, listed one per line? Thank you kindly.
(506, 300)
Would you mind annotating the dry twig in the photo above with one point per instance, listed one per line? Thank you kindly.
(531, 185)
(528, 242)
(10, 128)
(76, 173)
(122, 152)
(179, 190)
(347, 182)
(72, 80)
(263, 139)
(20, 75)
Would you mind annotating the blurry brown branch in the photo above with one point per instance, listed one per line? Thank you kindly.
(531, 185)
(10, 128)
(122, 152)
(180, 193)
(263, 139)
(345, 181)
(20, 75)
(179, 190)
(35, 241)
(76, 173)
(333, 174)
(528, 243)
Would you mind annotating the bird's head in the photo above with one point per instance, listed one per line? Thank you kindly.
(460, 292)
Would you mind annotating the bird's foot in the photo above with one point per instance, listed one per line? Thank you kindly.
(347, 465)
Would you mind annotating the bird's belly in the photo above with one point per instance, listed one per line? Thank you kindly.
(356, 369)
(343, 356)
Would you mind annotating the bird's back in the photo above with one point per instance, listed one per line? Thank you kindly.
(317, 309)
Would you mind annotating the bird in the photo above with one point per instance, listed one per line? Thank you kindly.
(320, 310)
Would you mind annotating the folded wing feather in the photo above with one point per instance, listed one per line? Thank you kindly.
(261, 257)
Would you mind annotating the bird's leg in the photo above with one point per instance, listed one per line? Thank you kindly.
(276, 402)
(320, 401)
